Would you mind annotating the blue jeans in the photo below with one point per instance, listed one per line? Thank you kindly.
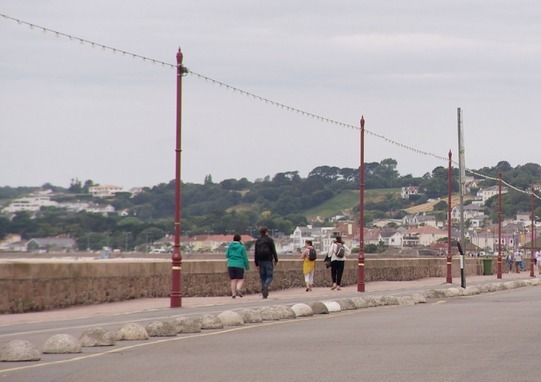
(266, 272)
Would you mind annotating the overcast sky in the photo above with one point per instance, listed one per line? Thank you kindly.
(72, 111)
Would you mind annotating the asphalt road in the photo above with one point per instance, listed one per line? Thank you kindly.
(488, 337)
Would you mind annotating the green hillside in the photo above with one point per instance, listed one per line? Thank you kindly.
(346, 201)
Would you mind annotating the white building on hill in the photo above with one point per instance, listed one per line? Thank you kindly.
(105, 191)
(31, 203)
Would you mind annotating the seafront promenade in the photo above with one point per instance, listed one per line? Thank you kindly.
(291, 295)
(39, 284)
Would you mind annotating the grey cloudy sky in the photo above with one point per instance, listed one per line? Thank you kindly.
(72, 111)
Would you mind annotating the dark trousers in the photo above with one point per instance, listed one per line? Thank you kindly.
(337, 270)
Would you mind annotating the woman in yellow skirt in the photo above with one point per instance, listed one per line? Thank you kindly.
(308, 265)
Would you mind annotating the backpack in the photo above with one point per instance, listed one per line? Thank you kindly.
(341, 251)
(312, 254)
(263, 250)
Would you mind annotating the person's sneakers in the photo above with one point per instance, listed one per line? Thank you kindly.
(239, 293)
(233, 296)
(265, 291)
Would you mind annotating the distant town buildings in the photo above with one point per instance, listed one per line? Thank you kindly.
(419, 219)
(106, 191)
(406, 192)
(486, 193)
(14, 243)
(34, 203)
(51, 244)
(413, 230)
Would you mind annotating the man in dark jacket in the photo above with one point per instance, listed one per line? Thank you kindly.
(265, 257)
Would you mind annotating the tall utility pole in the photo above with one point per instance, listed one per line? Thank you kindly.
(462, 180)
(360, 263)
(176, 260)
(449, 278)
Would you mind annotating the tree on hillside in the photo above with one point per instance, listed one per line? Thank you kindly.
(436, 183)
(122, 201)
(350, 175)
(440, 206)
(381, 175)
(512, 202)
(86, 187)
(388, 169)
(325, 172)
(503, 166)
(23, 224)
(286, 204)
(235, 185)
(208, 180)
(75, 186)
(49, 186)
(4, 227)
(130, 224)
(286, 178)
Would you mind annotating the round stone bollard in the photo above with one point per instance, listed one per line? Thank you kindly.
(19, 350)
(62, 344)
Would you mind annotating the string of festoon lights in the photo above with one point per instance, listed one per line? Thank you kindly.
(234, 89)
(83, 41)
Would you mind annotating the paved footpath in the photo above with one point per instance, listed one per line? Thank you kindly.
(275, 297)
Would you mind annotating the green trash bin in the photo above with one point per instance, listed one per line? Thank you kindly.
(487, 267)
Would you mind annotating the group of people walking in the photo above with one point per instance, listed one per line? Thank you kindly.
(516, 260)
(237, 262)
(266, 257)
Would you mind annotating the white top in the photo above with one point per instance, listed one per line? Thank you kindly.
(333, 249)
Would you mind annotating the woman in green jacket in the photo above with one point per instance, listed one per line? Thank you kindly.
(237, 262)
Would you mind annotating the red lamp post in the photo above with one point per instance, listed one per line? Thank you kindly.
(360, 264)
(176, 260)
(499, 276)
(532, 237)
(449, 278)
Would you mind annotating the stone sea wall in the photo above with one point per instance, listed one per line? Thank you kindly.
(46, 284)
